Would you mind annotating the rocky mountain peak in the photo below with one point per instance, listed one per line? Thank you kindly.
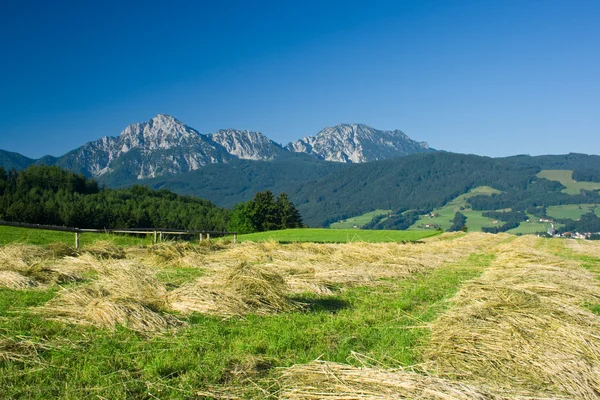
(247, 145)
(161, 132)
(357, 143)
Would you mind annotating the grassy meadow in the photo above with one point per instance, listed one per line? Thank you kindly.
(572, 211)
(322, 235)
(565, 177)
(461, 316)
(9, 234)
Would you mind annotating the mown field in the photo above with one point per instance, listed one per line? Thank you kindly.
(455, 316)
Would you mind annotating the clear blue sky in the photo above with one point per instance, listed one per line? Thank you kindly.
(486, 77)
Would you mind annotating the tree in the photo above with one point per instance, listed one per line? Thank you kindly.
(263, 212)
(240, 221)
(458, 223)
(289, 217)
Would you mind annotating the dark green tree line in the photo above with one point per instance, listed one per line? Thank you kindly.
(51, 196)
(264, 213)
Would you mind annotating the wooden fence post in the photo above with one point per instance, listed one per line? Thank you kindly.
(208, 236)
(161, 236)
(234, 238)
(76, 240)
(200, 240)
(155, 237)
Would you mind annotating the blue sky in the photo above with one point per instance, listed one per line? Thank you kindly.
(487, 77)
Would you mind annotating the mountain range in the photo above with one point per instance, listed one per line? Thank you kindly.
(165, 146)
(342, 171)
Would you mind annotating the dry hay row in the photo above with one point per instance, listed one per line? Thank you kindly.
(517, 332)
(329, 380)
(127, 292)
(27, 266)
(310, 267)
(590, 248)
(521, 326)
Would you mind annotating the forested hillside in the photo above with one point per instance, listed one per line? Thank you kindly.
(239, 180)
(52, 196)
(327, 192)
(10, 160)
(418, 182)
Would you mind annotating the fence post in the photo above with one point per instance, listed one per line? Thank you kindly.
(208, 236)
(234, 238)
(76, 240)
(155, 237)
(200, 237)
(161, 236)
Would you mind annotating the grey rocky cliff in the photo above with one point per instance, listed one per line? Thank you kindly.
(247, 145)
(357, 143)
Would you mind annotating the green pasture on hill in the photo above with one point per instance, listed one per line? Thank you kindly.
(572, 211)
(322, 235)
(565, 177)
(444, 215)
(359, 221)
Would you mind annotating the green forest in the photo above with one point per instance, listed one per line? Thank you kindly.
(52, 196)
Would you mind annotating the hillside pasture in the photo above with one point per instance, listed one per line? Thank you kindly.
(565, 177)
(572, 211)
(359, 221)
(456, 316)
(531, 228)
(444, 215)
(322, 235)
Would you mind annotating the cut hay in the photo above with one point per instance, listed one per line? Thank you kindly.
(317, 268)
(104, 250)
(20, 349)
(521, 326)
(175, 255)
(84, 264)
(126, 294)
(328, 380)
(590, 248)
(246, 289)
(93, 306)
(14, 280)
(21, 257)
(34, 263)
(60, 249)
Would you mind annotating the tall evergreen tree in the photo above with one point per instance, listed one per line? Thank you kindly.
(263, 212)
(289, 217)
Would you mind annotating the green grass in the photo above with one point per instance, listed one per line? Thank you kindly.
(565, 177)
(532, 227)
(359, 221)
(475, 219)
(10, 234)
(387, 322)
(572, 211)
(335, 235)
